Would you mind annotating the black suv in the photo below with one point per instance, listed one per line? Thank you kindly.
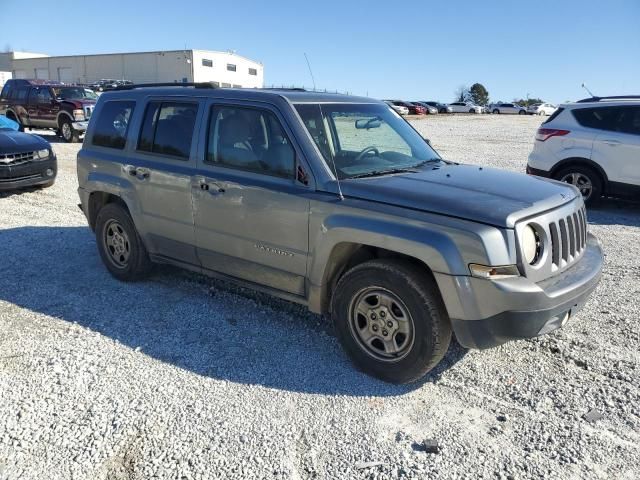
(45, 104)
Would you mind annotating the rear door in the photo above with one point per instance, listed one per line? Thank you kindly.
(42, 108)
(161, 165)
(617, 147)
(251, 214)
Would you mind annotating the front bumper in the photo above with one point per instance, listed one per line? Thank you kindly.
(492, 312)
(28, 174)
(538, 172)
(80, 126)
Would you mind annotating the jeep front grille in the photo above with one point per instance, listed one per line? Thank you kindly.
(563, 236)
(568, 238)
(15, 158)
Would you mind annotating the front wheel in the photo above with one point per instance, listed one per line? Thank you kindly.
(496, 111)
(391, 320)
(120, 245)
(585, 179)
(67, 132)
(522, 112)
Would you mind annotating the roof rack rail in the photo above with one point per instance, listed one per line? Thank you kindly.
(286, 89)
(167, 84)
(614, 97)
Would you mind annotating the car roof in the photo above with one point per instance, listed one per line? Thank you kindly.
(293, 95)
(591, 103)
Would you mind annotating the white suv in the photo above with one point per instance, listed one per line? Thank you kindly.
(593, 144)
(541, 109)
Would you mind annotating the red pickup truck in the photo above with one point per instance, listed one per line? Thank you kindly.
(45, 104)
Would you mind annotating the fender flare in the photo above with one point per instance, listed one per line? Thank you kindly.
(119, 187)
(63, 113)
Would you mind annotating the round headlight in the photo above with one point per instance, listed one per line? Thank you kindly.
(530, 245)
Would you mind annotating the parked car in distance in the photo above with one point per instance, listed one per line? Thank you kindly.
(413, 109)
(26, 160)
(541, 109)
(104, 85)
(401, 109)
(465, 107)
(507, 108)
(334, 202)
(593, 144)
(442, 107)
(44, 104)
(428, 108)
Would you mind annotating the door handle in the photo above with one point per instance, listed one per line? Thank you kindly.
(208, 186)
(613, 143)
(129, 169)
(139, 172)
(142, 172)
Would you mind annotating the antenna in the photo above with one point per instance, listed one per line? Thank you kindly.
(588, 91)
(309, 65)
(333, 161)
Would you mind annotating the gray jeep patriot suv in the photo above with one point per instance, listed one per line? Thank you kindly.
(337, 203)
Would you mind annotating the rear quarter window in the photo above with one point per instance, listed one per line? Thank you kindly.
(554, 115)
(112, 124)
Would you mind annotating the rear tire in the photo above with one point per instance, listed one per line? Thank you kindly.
(391, 320)
(586, 179)
(119, 244)
(522, 112)
(496, 111)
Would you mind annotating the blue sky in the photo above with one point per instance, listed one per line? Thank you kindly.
(415, 50)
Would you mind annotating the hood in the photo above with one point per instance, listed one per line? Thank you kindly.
(485, 195)
(18, 142)
(79, 102)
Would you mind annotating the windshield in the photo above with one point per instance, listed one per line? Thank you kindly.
(364, 139)
(67, 93)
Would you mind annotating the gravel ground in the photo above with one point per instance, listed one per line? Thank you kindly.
(184, 377)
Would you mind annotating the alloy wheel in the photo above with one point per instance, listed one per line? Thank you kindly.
(581, 181)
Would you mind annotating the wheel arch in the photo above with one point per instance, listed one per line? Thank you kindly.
(61, 114)
(583, 162)
(97, 200)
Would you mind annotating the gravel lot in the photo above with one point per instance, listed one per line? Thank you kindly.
(184, 377)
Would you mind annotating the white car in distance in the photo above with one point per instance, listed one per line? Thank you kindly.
(543, 109)
(465, 107)
(508, 108)
(398, 108)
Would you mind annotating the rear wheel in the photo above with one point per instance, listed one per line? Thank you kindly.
(471, 110)
(496, 111)
(542, 113)
(585, 179)
(391, 320)
(67, 132)
(522, 112)
(120, 245)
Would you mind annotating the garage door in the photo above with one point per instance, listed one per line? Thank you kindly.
(42, 73)
(19, 74)
(65, 74)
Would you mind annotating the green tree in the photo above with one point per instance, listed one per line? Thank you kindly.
(479, 94)
(462, 94)
(525, 103)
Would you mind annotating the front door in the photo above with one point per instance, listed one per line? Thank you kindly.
(251, 214)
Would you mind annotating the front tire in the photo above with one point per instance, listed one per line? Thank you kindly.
(522, 112)
(496, 111)
(67, 132)
(585, 179)
(391, 320)
(119, 244)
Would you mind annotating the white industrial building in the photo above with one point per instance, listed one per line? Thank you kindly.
(225, 68)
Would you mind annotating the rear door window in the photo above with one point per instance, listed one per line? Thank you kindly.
(112, 124)
(629, 120)
(601, 118)
(167, 128)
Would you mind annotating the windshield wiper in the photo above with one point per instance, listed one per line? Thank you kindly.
(424, 162)
(377, 173)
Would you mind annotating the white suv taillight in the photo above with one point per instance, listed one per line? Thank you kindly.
(545, 133)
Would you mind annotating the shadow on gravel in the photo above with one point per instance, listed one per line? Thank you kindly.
(208, 327)
(615, 212)
(20, 191)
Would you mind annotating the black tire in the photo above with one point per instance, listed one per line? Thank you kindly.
(471, 110)
(496, 111)
(137, 263)
(67, 132)
(417, 293)
(594, 178)
(522, 112)
(443, 110)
